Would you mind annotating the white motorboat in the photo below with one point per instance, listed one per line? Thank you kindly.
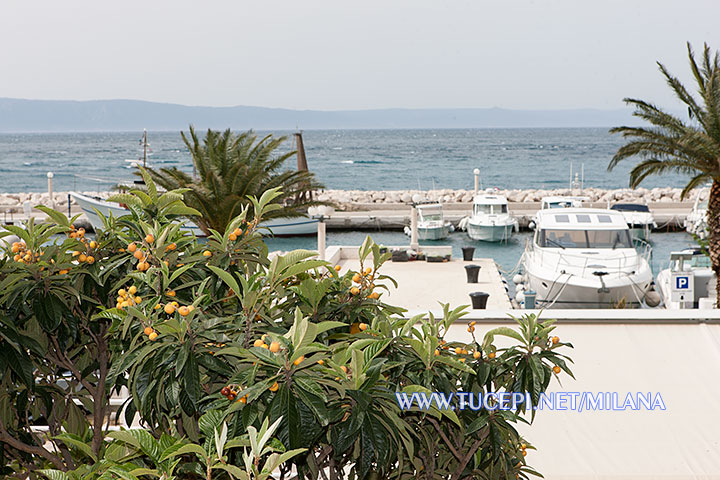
(431, 222)
(696, 221)
(490, 220)
(278, 227)
(551, 203)
(638, 217)
(694, 263)
(585, 258)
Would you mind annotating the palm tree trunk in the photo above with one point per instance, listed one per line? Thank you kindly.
(713, 219)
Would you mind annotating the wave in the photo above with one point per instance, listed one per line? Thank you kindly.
(369, 162)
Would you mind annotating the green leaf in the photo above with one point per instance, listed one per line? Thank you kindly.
(55, 474)
(75, 441)
(226, 277)
(185, 449)
(506, 332)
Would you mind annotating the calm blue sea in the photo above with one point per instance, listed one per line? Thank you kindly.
(342, 159)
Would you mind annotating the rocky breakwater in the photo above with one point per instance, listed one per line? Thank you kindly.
(352, 199)
(16, 202)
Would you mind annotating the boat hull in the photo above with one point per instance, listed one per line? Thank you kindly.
(641, 232)
(567, 291)
(490, 233)
(433, 233)
(278, 227)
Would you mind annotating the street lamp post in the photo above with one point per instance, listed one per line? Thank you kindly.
(414, 243)
(51, 198)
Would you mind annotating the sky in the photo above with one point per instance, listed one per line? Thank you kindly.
(338, 55)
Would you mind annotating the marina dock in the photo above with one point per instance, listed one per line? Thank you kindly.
(421, 284)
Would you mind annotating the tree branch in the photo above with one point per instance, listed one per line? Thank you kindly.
(5, 437)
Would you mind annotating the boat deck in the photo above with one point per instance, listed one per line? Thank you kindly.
(421, 285)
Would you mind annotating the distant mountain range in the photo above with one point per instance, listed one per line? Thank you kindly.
(20, 115)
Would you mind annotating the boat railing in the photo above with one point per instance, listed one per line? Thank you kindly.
(584, 265)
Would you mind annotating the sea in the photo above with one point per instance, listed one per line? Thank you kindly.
(519, 158)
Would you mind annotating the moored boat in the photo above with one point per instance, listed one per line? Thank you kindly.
(638, 217)
(431, 222)
(279, 227)
(696, 221)
(490, 220)
(586, 258)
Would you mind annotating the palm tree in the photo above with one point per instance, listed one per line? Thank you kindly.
(230, 167)
(689, 147)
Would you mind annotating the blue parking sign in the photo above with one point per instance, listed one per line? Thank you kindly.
(682, 287)
(682, 282)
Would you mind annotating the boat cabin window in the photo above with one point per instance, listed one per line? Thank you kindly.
(584, 238)
(491, 209)
(432, 216)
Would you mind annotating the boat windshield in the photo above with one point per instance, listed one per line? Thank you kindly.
(584, 238)
(563, 204)
(700, 261)
(491, 209)
(630, 207)
(432, 217)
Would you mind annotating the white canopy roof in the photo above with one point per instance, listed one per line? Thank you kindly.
(581, 219)
(490, 200)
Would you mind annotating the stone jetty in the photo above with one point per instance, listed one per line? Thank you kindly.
(351, 199)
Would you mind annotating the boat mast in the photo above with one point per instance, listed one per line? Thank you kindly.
(145, 147)
(306, 194)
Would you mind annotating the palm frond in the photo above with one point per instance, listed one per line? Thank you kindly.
(231, 167)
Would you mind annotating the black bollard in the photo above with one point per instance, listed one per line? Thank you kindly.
(468, 253)
(479, 300)
(472, 273)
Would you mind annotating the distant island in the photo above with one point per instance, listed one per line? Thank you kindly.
(21, 115)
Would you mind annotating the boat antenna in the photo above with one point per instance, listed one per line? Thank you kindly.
(582, 177)
(571, 176)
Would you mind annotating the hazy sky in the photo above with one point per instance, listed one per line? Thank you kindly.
(338, 54)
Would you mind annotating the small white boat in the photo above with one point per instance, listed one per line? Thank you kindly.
(696, 221)
(551, 203)
(431, 222)
(638, 217)
(696, 264)
(586, 258)
(490, 220)
(278, 227)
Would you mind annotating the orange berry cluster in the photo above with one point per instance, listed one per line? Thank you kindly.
(230, 392)
(151, 333)
(172, 307)
(364, 279)
(237, 233)
(274, 347)
(138, 252)
(127, 298)
(23, 255)
(84, 256)
(463, 351)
